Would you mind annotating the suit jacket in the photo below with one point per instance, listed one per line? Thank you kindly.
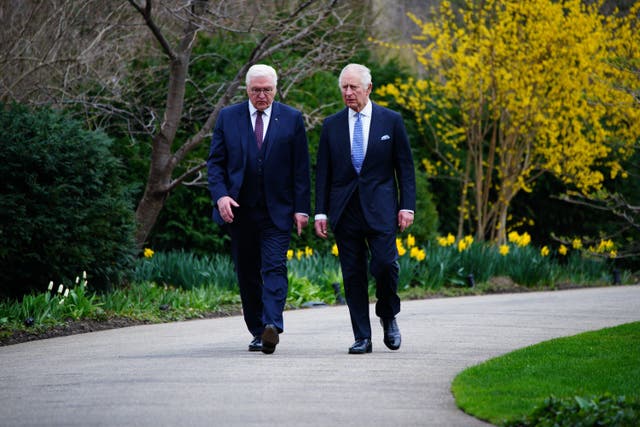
(386, 182)
(286, 161)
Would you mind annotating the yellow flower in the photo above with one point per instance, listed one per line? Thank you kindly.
(308, 251)
(417, 253)
(525, 239)
(562, 250)
(577, 243)
(519, 239)
(290, 254)
(401, 249)
(544, 251)
(446, 241)
(411, 241)
(334, 249)
(613, 254)
(148, 252)
(465, 243)
(299, 253)
(504, 250)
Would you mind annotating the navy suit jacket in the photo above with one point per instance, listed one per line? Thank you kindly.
(386, 182)
(286, 161)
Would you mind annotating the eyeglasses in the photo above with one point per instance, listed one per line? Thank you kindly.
(258, 91)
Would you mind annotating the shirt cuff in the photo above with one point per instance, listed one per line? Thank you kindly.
(319, 217)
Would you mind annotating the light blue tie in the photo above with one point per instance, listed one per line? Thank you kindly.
(357, 148)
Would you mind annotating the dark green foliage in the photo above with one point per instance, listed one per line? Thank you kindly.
(606, 410)
(425, 225)
(63, 206)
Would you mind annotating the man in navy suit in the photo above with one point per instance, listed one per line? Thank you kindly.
(365, 189)
(258, 169)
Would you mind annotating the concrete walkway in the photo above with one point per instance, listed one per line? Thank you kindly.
(198, 373)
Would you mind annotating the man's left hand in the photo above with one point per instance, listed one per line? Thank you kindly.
(405, 219)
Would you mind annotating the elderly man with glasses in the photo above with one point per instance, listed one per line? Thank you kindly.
(258, 173)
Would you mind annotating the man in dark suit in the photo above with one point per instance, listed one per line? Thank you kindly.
(258, 169)
(365, 189)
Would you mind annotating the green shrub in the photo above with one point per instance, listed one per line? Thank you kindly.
(607, 410)
(63, 206)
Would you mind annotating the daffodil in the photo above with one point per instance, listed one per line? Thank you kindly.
(562, 250)
(417, 253)
(334, 249)
(290, 254)
(148, 252)
(544, 251)
(401, 249)
(577, 244)
(504, 250)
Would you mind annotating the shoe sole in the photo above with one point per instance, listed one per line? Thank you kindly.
(391, 347)
(269, 340)
(368, 350)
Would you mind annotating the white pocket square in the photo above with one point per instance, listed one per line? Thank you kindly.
(385, 137)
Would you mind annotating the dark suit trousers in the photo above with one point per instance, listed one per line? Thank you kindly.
(356, 240)
(259, 251)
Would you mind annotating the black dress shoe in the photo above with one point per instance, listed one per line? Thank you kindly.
(361, 346)
(392, 336)
(255, 344)
(269, 339)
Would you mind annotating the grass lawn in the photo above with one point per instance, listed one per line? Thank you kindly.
(586, 365)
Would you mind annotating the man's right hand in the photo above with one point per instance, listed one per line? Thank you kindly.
(321, 227)
(225, 207)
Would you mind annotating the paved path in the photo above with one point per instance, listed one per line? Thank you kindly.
(198, 373)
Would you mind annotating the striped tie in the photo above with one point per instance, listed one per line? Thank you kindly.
(357, 148)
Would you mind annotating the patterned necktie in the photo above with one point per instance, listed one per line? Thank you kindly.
(357, 148)
(259, 129)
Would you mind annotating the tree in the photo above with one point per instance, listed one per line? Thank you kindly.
(517, 89)
(322, 33)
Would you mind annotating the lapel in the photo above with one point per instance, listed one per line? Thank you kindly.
(343, 135)
(245, 130)
(375, 130)
(274, 126)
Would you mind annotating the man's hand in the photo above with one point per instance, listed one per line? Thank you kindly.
(405, 219)
(321, 227)
(301, 221)
(225, 205)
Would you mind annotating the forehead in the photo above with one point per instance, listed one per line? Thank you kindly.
(261, 81)
(351, 78)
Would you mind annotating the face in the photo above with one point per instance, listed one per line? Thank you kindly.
(354, 94)
(261, 92)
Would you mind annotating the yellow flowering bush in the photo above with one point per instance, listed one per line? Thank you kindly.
(536, 85)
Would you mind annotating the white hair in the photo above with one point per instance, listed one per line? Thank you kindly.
(261, 70)
(364, 72)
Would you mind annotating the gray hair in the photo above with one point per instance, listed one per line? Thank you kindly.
(261, 70)
(364, 72)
